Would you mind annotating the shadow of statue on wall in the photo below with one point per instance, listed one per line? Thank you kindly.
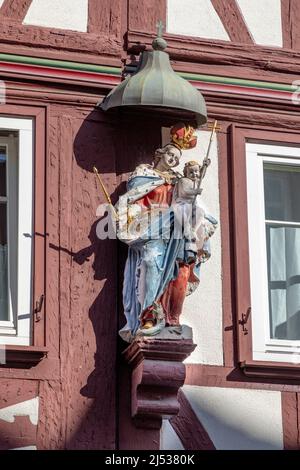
(115, 146)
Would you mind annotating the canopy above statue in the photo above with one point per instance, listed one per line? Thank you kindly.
(156, 87)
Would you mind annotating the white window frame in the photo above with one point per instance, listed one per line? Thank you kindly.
(18, 329)
(263, 347)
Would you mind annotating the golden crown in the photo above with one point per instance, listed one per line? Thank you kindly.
(182, 136)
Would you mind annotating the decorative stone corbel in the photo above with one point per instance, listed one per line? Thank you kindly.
(157, 373)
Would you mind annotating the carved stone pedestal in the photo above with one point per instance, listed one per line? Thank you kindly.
(157, 373)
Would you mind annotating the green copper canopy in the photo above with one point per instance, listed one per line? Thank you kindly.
(156, 86)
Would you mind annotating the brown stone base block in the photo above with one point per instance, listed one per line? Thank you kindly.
(157, 373)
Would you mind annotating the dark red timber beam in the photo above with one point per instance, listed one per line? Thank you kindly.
(15, 9)
(289, 405)
(105, 17)
(286, 24)
(290, 19)
(188, 427)
(232, 20)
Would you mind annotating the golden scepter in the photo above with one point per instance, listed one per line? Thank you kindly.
(206, 161)
(107, 196)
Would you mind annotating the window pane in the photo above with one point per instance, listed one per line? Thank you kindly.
(2, 171)
(283, 255)
(282, 192)
(3, 264)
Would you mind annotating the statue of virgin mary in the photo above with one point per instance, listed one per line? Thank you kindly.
(158, 272)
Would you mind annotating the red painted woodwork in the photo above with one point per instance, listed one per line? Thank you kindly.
(20, 433)
(130, 436)
(73, 286)
(233, 21)
(105, 17)
(24, 356)
(101, 44)
(38, 351)
(294, 18)
(157, 375)
(15, 9)
(39, 266)
(84, 274)
(289, 403)
(271, 370)
(233, 377)
(84, 390)
(100, 48)
(43, 73)
(298, 417)
(290, 13)
(143, 15)
(76, 402)
(239, 136)
(17, 391)
(242, 273)
(224, 57)
(228, 292)
(286, 24)
(187, 426)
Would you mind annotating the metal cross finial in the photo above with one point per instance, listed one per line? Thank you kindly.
(160, 28)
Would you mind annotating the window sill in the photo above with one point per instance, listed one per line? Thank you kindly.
(23, 357)
(273, 370)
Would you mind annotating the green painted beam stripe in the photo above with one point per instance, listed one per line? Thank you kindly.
(117, 71)
(60, 64)
(237, 81)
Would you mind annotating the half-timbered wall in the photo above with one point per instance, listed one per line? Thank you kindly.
(58, 59)
(260, 21)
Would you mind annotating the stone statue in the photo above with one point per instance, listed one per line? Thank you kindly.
(167, 233)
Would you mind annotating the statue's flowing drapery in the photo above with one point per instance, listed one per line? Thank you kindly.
(156, 268)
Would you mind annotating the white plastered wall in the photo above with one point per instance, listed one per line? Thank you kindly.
(66, 14)
(203, 309)
(263, 19)
(238, 419)
(25, 448)
(28, 408)
(168, 437)
(195, 18)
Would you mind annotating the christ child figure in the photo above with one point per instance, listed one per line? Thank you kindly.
(188, 188)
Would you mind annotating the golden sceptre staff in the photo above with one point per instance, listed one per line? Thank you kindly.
(206, 161)
(107, 196)
(205, 164)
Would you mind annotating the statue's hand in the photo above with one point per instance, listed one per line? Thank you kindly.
(175, 178)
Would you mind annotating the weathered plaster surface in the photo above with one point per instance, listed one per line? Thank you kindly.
(239, 419)
(263, 18)
(168, 438)
(26, 408)
(203, 309)
(195, 18)
(82, 270)
(66, 14)
(77, 407)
